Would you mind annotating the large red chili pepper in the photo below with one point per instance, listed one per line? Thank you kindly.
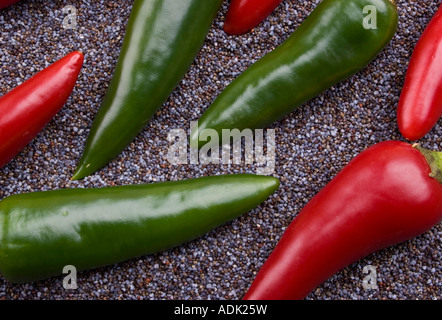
(244, 15)
(389, 193)
(26, 109)
(6, 3)
(420, 103)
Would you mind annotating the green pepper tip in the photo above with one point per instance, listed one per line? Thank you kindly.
(80, 173)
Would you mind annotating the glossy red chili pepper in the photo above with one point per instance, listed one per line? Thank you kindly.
(26, 109)
(385, 195)
(244, 15)
(420, 103)
(6, 3)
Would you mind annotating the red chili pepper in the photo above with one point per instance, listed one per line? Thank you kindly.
(420, 103)
(384, 196)
(6, 3)
(26, 109)
(244, 15)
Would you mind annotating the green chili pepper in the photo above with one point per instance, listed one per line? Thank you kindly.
(336, 40)
(41, 232)
(161, 41)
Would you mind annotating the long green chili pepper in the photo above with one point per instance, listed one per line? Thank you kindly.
(161, 41)
(41, 232)
(337, 39)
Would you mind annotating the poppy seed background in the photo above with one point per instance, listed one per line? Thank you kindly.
(313, 144)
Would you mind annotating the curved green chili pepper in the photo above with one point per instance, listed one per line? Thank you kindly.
(161, 41)
(336, 40)
(42, 232)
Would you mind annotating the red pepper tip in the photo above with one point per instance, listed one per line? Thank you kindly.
(231, 30)
(78, 54)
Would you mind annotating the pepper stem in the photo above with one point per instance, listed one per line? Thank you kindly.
(434, 159)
